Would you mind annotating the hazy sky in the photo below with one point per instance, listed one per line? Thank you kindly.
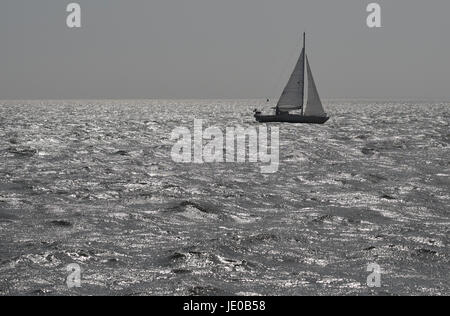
(222, 48)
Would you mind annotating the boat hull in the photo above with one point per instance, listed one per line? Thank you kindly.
(291, 118)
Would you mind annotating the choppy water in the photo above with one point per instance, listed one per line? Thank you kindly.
(93, 183)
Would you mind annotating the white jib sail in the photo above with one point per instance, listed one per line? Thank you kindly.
(314, 105)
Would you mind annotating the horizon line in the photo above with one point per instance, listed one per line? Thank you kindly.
(442, 99)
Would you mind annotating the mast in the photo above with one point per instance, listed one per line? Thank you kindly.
(304, 57)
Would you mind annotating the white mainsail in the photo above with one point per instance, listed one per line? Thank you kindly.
(292, 96)
(314, 105)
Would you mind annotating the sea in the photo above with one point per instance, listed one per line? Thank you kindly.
(359, 206)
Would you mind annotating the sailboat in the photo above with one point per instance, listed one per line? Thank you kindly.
(292, 98)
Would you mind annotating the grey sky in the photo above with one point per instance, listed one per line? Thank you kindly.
(222, 48)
